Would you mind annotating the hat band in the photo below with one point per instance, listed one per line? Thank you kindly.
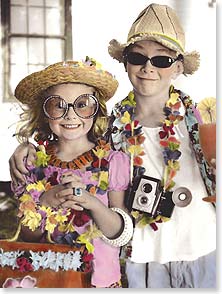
(173, 41)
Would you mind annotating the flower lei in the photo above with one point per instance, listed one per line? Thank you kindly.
(132, 131)
(28, 260)
(48, 219)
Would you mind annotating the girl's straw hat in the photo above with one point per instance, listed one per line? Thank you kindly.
(87, 72)
(161, 24)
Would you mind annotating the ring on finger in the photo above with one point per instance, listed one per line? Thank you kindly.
(77, 191)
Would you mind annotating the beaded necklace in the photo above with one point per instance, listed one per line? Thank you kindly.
(131, 130)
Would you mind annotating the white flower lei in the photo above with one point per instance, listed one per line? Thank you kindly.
(46, 260)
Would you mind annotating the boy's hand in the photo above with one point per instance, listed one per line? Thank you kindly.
(16, 161)
(213, 165)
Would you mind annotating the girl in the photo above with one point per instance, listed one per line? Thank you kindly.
(75, 190)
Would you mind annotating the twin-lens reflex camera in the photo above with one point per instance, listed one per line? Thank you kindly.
(147, 196)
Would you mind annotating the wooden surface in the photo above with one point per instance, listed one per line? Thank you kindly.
(46, 278)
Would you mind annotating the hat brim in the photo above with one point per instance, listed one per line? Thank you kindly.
(191, 59)
(30, 88)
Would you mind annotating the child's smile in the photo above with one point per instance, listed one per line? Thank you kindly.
(70, 126)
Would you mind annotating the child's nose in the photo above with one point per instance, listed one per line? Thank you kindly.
(147, 66)
(71, 113)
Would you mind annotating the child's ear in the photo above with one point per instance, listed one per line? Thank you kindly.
(179, 69)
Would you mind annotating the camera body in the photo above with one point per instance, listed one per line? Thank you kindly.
(147, 196)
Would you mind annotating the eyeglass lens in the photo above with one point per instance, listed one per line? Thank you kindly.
(85, 106)
(136, 58)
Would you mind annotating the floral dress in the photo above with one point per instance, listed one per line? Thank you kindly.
(108, 171)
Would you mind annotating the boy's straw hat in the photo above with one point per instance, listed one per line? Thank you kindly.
(161, 24)
(87, 72)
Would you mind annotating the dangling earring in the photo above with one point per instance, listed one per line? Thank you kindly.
(52, 137)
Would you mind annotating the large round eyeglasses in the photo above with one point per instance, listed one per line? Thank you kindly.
(85, 106)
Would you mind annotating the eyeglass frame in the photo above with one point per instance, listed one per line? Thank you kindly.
(68, 105)
(178, 58)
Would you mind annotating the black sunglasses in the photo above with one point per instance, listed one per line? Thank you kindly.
(136, 58)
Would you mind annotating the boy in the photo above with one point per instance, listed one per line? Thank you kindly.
(173, 249)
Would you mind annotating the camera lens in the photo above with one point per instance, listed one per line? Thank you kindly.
(143, 200)
(147, 188)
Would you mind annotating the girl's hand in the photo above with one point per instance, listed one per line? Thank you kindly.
(49, 198)
(72, 183)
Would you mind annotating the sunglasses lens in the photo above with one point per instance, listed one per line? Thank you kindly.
(135, 58)
(54, 107)
(86, 106)
(162, 61)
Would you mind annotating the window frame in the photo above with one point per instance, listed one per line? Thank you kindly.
(8, 96)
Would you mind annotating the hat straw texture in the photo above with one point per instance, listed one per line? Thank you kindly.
(88, 72)
(161, 24)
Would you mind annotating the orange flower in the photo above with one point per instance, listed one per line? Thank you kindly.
(136, 140)
(175, 118)
(137, 161)
(141, 139)
(92, 190)
(164, 143)
(173, 139)
(176, 105)
(52, 219)
(27, 205)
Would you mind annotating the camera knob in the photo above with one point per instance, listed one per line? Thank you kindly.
(182, 197)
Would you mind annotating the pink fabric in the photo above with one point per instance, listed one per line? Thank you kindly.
(119, 171)
(106, 264)
(106, 258)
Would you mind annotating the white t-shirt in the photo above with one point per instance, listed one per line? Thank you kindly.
(191, 231)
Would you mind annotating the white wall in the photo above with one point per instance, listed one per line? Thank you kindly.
(96, 22)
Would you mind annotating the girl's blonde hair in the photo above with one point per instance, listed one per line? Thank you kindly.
(33, 122)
